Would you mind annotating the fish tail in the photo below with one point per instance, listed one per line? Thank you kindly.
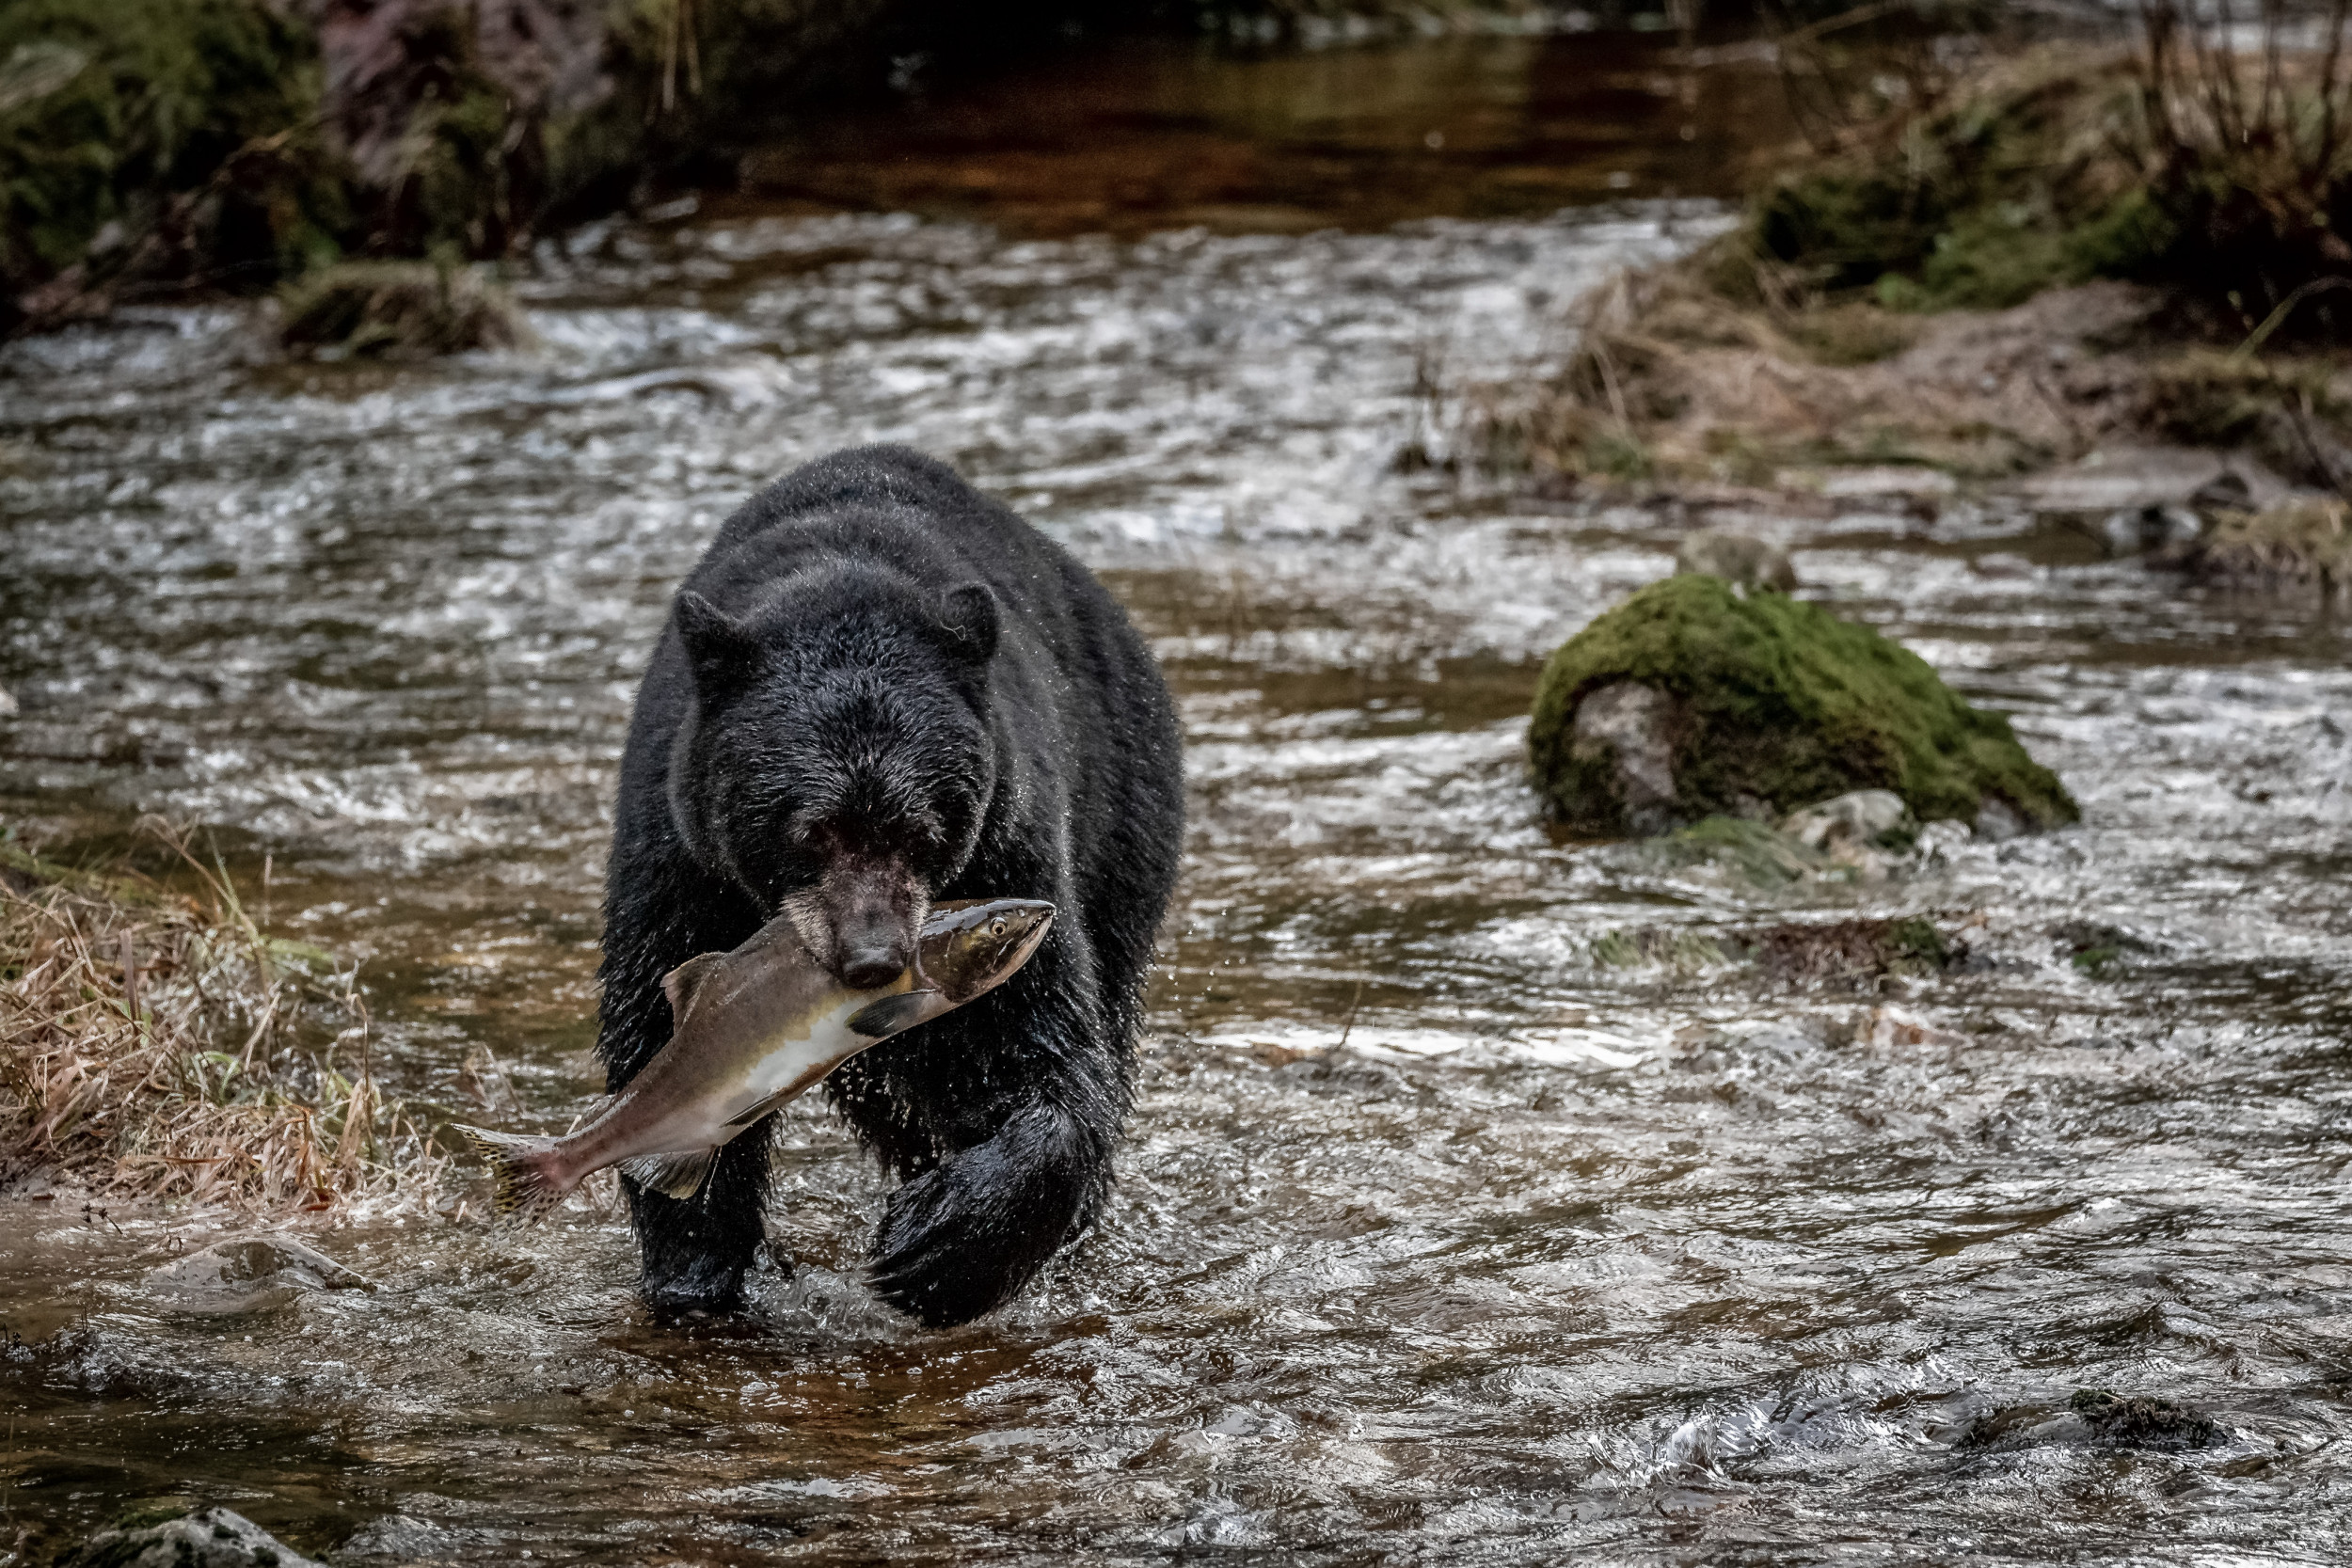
(522, 1167)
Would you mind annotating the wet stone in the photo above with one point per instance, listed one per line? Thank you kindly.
(207, 1538)
(2144, 1422)
(1738, 558)
(249, 1274)
(1714, 702)
(1626, 728)
(1858, 817)
(2139, 530)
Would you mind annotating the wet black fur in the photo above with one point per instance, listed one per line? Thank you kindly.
(854, 689)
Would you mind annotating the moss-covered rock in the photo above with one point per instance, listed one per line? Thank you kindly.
(1690, 701)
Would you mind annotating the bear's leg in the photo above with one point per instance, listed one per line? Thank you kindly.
(696, 1250)
(963, 1238)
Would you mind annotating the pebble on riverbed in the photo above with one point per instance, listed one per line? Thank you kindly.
(1691, 701)
(1747, 563)
(249, 1274)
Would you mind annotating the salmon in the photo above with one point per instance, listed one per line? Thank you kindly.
(753, 1029)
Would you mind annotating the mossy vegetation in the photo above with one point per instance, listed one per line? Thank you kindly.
(2009, 188)
(1777, 704)
(2177, 201)
(183, 127)
(237, 144)
(2219, 171)
(398, 310)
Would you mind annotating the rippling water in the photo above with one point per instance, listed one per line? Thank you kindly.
(1440, 1236)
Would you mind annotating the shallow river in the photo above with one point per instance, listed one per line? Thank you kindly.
(1643, 1263)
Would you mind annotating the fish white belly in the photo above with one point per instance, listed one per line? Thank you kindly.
(797, 1062)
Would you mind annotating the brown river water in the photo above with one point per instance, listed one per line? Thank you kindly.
(1549, 1257)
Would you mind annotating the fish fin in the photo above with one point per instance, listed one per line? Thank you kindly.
(681, 983)
(880, 1019)
(752, 1111)
(679, 1174)
(522, 1168)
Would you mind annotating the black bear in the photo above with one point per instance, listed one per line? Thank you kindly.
(878, 688)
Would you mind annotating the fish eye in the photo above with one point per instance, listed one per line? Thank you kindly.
(996, 926)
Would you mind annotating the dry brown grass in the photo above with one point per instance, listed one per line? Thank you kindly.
(1674, 379)
(2303, 544)
(159, 1047)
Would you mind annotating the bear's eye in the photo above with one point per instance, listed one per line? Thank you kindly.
(996, 926)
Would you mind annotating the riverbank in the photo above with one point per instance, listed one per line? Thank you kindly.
(163, 148)
(2058, 265)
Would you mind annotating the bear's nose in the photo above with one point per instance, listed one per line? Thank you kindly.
(871, 968)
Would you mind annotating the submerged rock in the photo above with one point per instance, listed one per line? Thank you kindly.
(398, 311)
(1738, 849)
(2140, 530)
(2144, 1422)
(1853, 950)
(1738, 558)
(249, 1274)
(1757, 705)
(206, 1538)
(1861, 818)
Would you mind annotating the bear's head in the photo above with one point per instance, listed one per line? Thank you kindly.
(839, 761)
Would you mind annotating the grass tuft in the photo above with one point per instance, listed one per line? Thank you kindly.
(399, 310)
(158, 1047)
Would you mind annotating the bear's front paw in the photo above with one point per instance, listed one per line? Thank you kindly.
(932, 1260)
(961, 1239)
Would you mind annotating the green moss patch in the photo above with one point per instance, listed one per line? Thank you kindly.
(1774, 703)
(2013, 187)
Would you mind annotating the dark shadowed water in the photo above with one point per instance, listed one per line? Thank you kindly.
(1552, 1255)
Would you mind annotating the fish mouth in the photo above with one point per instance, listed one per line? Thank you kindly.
(1027, 920)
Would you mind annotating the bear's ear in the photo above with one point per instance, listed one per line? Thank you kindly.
(724, 655)
(968, 615)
